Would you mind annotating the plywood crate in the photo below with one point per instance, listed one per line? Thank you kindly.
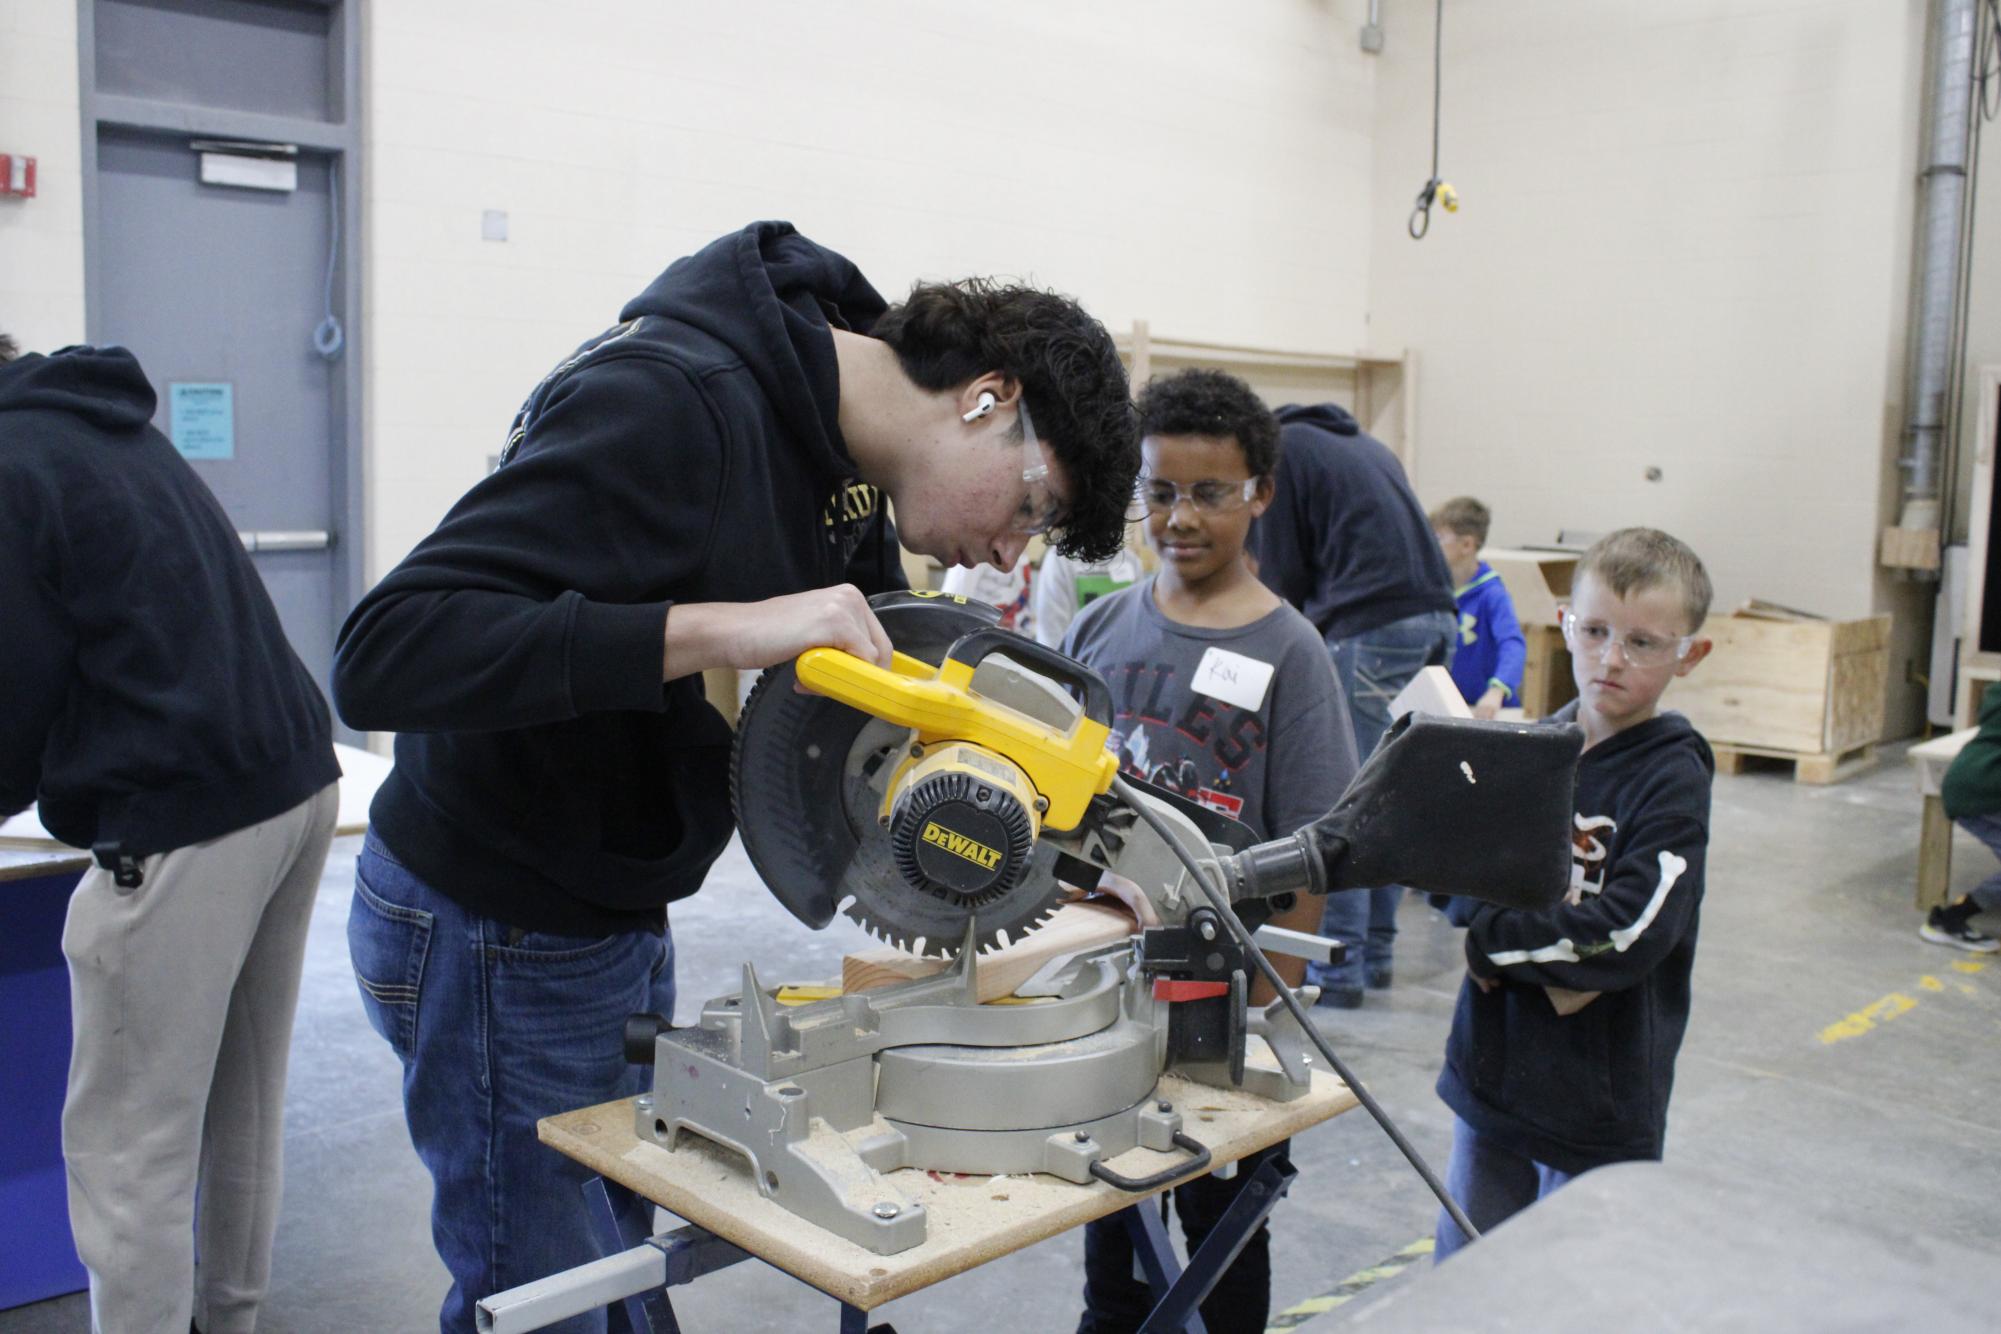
(1538, 582)
(1807, 690)
(1547, 683)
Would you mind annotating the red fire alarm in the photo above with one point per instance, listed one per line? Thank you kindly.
(17, 175)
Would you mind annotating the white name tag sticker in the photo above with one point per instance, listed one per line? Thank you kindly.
(1233, 678)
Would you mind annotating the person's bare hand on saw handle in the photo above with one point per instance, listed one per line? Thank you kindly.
(750, 636)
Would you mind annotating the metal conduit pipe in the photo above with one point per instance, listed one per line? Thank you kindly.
(1943, 185)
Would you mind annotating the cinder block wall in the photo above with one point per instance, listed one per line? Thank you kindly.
(41, 239)
(1204, 169)
(1685, 244)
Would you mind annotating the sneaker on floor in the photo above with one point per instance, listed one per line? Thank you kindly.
(1942, 928)
(1379, 976)
(1340, 998)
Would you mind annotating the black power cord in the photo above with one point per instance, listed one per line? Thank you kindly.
(1221, 903)
(1434, 188)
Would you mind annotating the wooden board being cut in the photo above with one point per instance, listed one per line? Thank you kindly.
(1072, 928)
(971, 1219)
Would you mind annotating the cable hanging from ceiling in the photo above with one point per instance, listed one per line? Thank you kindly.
(1436, 190)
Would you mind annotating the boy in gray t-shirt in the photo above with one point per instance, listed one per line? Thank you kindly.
(1223, 693)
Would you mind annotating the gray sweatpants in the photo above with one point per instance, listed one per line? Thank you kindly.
(182, 993)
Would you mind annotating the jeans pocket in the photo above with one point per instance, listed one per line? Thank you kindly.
(388, 944)
(559, 1006)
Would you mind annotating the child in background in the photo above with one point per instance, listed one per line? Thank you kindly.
(1063, 587)
(1227, 695)
(1487, 667)
(1563, 1044)
(1012, 591)
(1972, 796)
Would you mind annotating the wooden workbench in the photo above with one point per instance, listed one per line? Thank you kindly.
(972, 1219)
(1929, 760)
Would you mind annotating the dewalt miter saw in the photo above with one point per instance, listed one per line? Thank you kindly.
(946, 803)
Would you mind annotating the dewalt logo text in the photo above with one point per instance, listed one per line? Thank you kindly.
(979, 854)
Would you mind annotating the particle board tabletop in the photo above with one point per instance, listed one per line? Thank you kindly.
(972, 1219)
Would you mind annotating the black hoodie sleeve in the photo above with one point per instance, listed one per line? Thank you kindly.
(544, 593)
(39, 663)
(1610, 940)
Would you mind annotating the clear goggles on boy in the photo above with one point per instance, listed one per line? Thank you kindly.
(1040, 509)
(1205, 497)
(1594, 640)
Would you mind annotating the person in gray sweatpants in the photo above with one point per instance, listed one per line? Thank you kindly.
(154, 710)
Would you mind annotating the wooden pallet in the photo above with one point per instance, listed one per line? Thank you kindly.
(1831, 767)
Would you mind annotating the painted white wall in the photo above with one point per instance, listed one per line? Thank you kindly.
(1200, 168)
(41, 239)
(1684, 244)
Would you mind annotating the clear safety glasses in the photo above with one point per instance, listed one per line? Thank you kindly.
(1594, 639)
(1154, 495)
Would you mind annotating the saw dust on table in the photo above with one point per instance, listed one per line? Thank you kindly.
(972, 1219)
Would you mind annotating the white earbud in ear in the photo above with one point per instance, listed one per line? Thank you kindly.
(986, 405)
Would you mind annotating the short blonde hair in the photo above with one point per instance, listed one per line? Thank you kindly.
(1465, 516)
(1633, 559)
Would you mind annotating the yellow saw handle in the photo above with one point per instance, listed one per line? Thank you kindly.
(939, 705)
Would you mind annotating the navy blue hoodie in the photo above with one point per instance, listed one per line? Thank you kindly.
(149, 698)
(544, 776)
(1345, 540)
(1580, 1090)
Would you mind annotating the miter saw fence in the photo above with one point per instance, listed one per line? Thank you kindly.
(944, 803)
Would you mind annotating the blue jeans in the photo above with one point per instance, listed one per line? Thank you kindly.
(497, 1028)
(1491, 1183)
(1373, 668)
(1986, 828)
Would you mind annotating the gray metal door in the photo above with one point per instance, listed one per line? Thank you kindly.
(217, 285)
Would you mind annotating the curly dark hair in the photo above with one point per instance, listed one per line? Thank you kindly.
(946, 334)
(1211, 403)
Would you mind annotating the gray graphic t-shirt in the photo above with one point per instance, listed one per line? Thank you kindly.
(1248, 721)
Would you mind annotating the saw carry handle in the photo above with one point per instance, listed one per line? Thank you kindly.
(973, 649)
(1197, 1162)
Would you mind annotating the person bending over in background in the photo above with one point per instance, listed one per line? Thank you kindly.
(1346, 542)
(1491, 651)
(155, 709)
(1563, 1044)
(1218, 682)
(699, 486)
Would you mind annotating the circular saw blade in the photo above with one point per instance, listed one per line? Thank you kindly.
(806, 778)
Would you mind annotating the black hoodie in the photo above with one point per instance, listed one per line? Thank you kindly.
(691, 453)
(1345, 540)
(148, 698)
(1580, 1090)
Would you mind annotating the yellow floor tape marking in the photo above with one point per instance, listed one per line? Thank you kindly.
(1866, 1018)
(1896, 1003)
(1349, 1288)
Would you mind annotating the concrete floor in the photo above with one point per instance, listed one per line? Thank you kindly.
(1808, 922)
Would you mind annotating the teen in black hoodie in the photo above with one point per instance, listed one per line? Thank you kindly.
(1563, 1045)
(152, 704)
(701, 485)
